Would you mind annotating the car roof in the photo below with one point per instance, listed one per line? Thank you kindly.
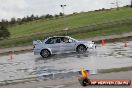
(59, 36)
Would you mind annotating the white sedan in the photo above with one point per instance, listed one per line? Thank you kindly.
(61, 44)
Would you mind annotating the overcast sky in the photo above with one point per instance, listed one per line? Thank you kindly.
(21, 8)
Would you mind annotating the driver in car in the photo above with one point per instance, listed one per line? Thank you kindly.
(65, 40)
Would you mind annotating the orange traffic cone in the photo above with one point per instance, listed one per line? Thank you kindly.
(11, 55)
(84, 73)
(102, 42)
(125, 45)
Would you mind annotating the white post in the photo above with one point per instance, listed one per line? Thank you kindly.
(117, 5)
(65, 23)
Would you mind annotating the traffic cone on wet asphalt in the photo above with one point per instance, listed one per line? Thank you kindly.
(102, 42)
(11, 55)
(125, 45)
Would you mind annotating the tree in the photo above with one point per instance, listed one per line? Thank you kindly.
(56, 16)
(48, 16)
(19, 21)
(28, 19)
(37, 17)
(42, 17)
(61, 14)
(13, 20)
(4, 33)
(3, 22)
(24, 19)
(32, 17)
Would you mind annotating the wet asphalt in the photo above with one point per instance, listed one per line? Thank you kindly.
(27, 65)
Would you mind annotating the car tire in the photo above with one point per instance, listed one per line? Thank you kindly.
(45, 53)
(81, 49)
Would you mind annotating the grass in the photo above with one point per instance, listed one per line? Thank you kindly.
(105, 31)
(82, 34)
(73, 21)
(81, 25)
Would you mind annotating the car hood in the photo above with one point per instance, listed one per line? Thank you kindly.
(85, 42)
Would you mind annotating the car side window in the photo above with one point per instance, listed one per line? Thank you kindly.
(67, 40)
(53, 40)
(50, 41)
(58, 40)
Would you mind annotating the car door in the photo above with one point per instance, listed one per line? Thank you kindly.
(69, 45)
(53, 44)
(59, 47)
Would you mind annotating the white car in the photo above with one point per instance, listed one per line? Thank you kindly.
(61, 44)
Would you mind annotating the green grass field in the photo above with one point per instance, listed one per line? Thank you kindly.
(25, 33)
(74, 21)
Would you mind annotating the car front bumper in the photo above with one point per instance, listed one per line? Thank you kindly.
(91, 46)
(36, 51)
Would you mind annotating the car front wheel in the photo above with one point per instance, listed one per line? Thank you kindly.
(81, 49)
(45, 53)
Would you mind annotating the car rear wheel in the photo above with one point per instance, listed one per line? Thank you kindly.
(45, 53)
(81, 49)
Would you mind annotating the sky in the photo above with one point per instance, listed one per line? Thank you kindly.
(21, 8)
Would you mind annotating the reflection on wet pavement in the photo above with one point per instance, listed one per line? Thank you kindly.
(27, 65)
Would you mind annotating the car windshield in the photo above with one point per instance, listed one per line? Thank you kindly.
(74, 39)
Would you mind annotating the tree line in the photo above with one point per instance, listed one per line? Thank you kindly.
(32, 17)
(4, 24)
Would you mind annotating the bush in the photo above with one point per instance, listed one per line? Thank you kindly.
(4, 33)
